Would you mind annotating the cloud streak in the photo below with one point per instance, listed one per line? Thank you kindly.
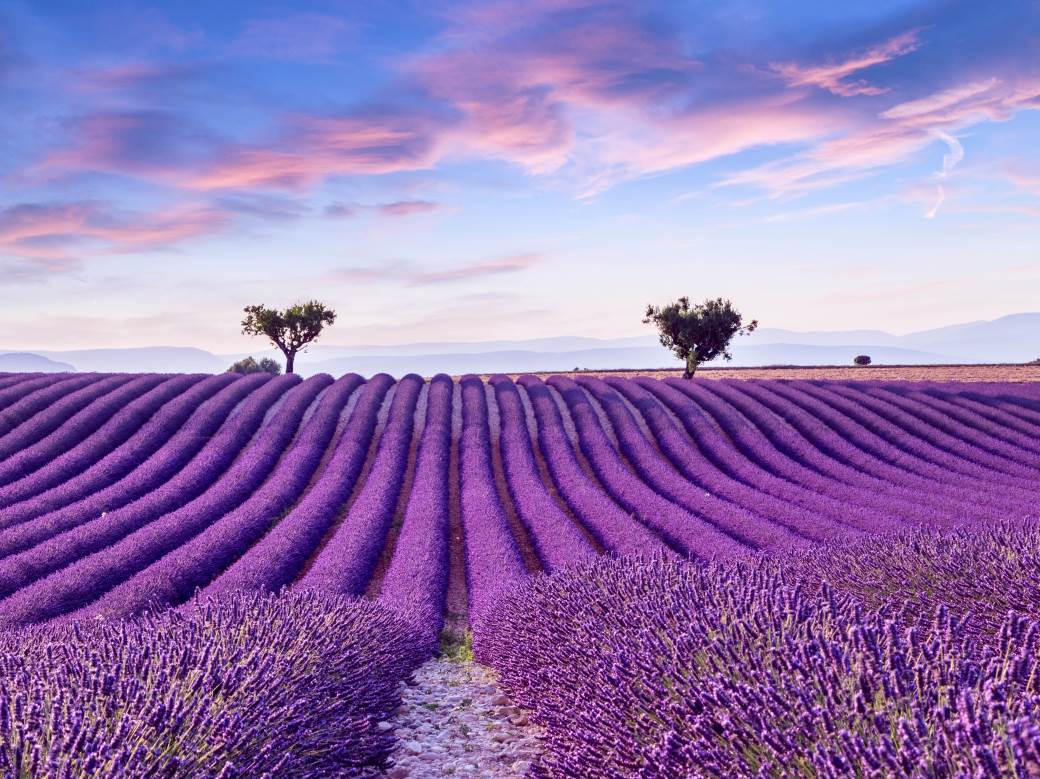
(953, 155)
(53, 233)
(406, 273)
(833, 76)
(407, 207)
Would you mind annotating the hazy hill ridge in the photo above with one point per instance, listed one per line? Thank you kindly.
(1013, 338)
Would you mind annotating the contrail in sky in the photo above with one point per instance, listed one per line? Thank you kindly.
(950, 159)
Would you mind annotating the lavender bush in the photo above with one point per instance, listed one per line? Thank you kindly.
(912, 662)
(248, 686)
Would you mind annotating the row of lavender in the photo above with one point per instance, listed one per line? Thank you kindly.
(123, 493)
(120, 493)
(913, 656)
(254, 686)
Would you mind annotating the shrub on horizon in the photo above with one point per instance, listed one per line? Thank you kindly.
(861, 359)
(251, 365)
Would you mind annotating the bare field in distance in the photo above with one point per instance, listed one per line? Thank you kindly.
(968, 373)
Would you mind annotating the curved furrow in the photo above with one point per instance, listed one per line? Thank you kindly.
(96, 568)
(74, 482)
(847, 440)
(85, 538)
(986, 406)
(844, 449)
(74, 458)
(898, 455)
(755, 528)
(77, 428)
(277, 558)
(692, 534)
(346, 562)
(493, 561)
(997, 427)
(521, 533)
(965, 435)
(43, 412)
(926, 459)
(32, 522)
(15, 388)
(558, 542)
(614, 528)
(14, 379)
(793, 456)
(681, 459)
(20, 402)
(195, 563)
(416, 582)
(955, 452)
(705, 449)
(1027, 409)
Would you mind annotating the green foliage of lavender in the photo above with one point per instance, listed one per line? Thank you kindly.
(907, 664)
(248, 686)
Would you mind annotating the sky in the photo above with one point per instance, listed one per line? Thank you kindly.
(512, 168)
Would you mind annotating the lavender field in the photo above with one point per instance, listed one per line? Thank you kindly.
(812, 578)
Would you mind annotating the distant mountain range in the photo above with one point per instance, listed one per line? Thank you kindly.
(23, 362)
(1014, 338)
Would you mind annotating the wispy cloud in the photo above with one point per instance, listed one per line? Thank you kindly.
(409, 274)
(512, 264)
(55, 232)
(809, 213)
(407, 207)
(580, 94)
(833, 76)
(311, 149)
(340, 211)
(953, 155)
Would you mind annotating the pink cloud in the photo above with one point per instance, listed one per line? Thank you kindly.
(407, 207)
(832, 76)
(51, 231)
(128, 76)
(590, 92)
(992, 99)
(1027, 178)
(314, 148)
(894, 136)
(156, 145)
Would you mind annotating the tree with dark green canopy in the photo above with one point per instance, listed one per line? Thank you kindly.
(290, 330)
(698, 333)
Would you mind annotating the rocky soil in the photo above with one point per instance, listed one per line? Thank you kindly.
(454, 721)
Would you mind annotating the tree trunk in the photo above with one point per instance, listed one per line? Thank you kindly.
(691, 367)
(290, 357)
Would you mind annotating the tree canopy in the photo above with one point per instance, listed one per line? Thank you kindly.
(698, 333)
(290, 330)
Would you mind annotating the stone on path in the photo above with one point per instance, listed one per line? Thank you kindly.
(454, 721)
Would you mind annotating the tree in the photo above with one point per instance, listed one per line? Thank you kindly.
(861, 359)
(699, 333)
(249, 365)
(289, 330)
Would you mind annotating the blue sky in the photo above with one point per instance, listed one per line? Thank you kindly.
(512, 169)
